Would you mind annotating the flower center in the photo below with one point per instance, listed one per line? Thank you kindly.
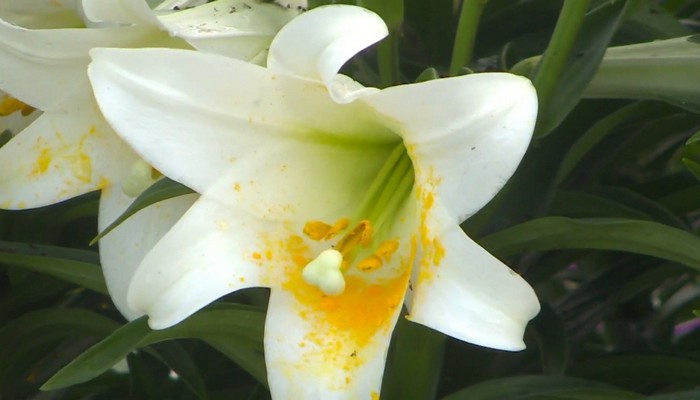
(361, 246)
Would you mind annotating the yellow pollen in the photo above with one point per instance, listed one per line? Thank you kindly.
(9, 105)
(362, 234)
(387, 249)
(375, 396)
(43, 161)
(371, 263)
(339, 226)
(316, 230)
(81, 167)
(319, 230)
(379, 257)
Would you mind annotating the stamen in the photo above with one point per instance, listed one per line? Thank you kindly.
(362, 235)
(9, 105)
(316, 230)
(319, 230)
(324, 273)
(387, 249)
(379, 257)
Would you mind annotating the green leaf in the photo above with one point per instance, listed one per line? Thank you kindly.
(692, 166)
(541, 387)
(550, 333)
(414, 365)
(641, 370)
(238, 324)
(599, 131)
(5, 137)
(662, 70)
(76, 266)
(179, 361)
(27, 339)
(690, 395)
(251, 360)
(641, 237)
(649, 21)
(613, 202)
(163, 189)
(598, 28)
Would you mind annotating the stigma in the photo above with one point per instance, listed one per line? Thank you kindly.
(325, 273)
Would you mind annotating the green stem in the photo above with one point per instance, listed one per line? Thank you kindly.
(388, 55)
(389, 190)
(547, 74)
(376, 187)
(466, 33)
(398, 196)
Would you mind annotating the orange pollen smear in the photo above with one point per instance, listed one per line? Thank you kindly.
(319, 230)
(379, 257)
(359, 312)
(9, 105)
(362, 235)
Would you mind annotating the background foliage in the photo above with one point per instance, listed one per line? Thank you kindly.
(601, 218)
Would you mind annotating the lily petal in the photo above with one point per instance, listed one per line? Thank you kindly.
(43, 14)
(58, 56)
(191, 266)
(466, 135)
(326, 47)
(465, 292)
(178, 4)
(251, 126)
(68, 151)
(309, 358)
(122, 250)
(210, 27)
(106, 13)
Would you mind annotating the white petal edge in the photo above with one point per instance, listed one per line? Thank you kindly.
(250, 139)
(171, 5)
(68, 151)
(466, 135)
(110, 13)
(234, 28)
(470, 295)
(123, 249)
(316, 44)
(211, 251)
(39, 67)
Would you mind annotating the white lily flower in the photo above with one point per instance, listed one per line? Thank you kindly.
(70, 149)
(344, 200)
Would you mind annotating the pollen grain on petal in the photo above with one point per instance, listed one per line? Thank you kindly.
(41, 165)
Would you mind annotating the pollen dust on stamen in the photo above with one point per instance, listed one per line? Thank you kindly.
(319, 230)
(10, 105)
